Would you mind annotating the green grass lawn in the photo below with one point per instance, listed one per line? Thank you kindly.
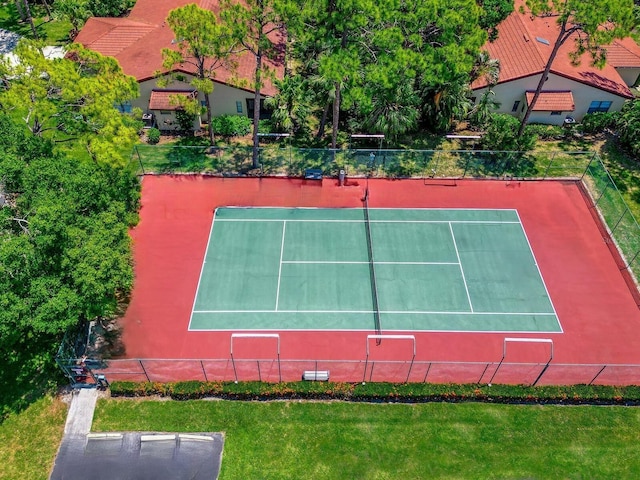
(29, 440)
(326, 440)
(50, 31)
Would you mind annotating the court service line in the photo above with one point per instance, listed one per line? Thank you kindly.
(386, 312)
(284, 229)
(455, 244)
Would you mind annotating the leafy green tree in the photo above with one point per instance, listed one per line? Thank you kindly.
(259, 27)
(71, 100)
(76, 11)
(494, 12)
(109, 8)
(64, 251)
(590, 25)
(205, 43)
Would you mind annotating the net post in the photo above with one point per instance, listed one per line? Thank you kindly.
(256, 335)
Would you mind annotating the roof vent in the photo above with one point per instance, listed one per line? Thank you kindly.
(543, 40)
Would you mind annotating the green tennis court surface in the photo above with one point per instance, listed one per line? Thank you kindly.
(309, 269)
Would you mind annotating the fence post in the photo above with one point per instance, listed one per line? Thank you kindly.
(483, 372)
(424, 380)
(144, 370)
(546, 172)
(597, 375)
(588, 165)
(139, 159)
(204, 371)
(613, 229)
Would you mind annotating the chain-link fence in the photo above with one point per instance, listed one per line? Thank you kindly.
(427, 164)
(607, 202)
(290, 161)
(622, 227)
(287, 370)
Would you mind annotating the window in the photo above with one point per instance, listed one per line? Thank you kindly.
(124, 107)
(516, 104)
(597, 106)
(556, 112)
(165, 112)
(473, 99)
(265, 113)
(238, 106)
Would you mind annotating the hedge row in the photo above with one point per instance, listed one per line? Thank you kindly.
(384, 392)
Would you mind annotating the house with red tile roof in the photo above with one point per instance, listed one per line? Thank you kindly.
(136, 42)
(570, 91)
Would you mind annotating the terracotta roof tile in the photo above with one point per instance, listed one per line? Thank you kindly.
(161, 99)
(552, 101)
(624, 53)
(137, 43)
(524, 45)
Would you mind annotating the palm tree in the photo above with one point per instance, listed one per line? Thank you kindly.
(486, 67)
(290, 106)
(394, 112)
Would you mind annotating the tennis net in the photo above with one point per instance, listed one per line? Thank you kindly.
(372, 269)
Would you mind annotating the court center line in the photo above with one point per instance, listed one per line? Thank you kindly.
(386, 312)
(461, 269)
(284, 229)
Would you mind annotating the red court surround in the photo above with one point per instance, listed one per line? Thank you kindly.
(597, 311)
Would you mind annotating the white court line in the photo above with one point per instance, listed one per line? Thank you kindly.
(386, 312)
(204, 261)
(368, 330)
(366, 263)
(242, 207)
(309, 220)
(284, 228)
(461, 269)
(544, 284)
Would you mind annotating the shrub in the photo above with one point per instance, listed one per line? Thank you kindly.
(546, 132)
(598, 122)
(231, 125)
(265, 126)
(153, 136)
(385, 392)
(502, 134)
(185, 122)
(628, 125)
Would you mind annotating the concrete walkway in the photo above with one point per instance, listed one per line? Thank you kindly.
(80, 415)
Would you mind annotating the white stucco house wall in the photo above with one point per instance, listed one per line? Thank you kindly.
(136, 42)
(570, 91)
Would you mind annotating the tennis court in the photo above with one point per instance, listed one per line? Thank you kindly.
(379, 269)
